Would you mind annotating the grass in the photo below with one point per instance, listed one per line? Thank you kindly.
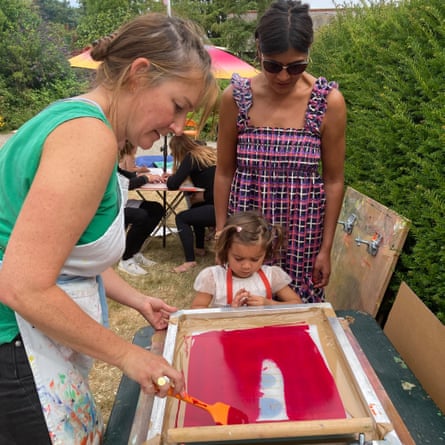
(175, 289)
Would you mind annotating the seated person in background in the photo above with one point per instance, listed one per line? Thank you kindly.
(141, 218)
(195, 161)
(127, 159)
(242, 279)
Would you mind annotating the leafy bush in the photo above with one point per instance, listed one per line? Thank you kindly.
(389, 59)
(94, 26)
(34, 69)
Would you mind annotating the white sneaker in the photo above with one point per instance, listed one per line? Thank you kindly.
(142, 261)
(131, 267)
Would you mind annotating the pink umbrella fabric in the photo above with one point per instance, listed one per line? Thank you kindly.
(224, 64)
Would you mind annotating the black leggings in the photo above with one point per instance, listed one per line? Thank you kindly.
(199, 217)
(141, 221)
(21, 417)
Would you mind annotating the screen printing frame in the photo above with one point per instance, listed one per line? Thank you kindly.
(368, 418)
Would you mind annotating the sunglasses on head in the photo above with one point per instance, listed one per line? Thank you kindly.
(271, 66)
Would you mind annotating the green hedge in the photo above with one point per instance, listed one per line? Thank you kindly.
(389, 61)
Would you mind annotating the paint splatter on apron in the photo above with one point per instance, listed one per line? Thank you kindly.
(60, 373)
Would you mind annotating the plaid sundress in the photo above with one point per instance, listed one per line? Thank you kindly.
(277, 173)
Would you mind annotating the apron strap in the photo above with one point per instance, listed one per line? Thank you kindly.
(229, 285)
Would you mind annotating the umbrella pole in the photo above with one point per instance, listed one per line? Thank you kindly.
(164, 152)
(164, 225)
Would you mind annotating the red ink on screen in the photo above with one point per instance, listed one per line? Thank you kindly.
(236, 367)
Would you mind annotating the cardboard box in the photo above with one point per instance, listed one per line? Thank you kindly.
(419, 337)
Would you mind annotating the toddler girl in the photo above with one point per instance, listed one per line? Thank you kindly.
(242, 279)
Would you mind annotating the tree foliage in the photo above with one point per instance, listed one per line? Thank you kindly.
(58, 11)
(95, 26)
(34, 69)
(226, 23)
(389, 59)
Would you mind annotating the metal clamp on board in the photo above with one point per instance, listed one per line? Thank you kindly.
(348, 225)
(373, 245)
(361, 439)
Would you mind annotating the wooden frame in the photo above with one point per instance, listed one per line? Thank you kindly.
(366, 415)
(359, 278)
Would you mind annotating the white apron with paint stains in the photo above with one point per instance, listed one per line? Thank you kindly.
(61, 374)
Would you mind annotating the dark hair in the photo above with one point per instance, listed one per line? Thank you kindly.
(126, 149)
(249, 228)
(285, 25)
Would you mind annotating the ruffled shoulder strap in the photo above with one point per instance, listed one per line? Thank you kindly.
(318, 104)
(242, 95)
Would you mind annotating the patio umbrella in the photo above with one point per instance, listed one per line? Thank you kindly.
(224, 64)
(83, 60)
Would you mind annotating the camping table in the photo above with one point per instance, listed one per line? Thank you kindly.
(415, 417)
(170, 205)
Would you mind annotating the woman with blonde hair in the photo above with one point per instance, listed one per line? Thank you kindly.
(62, 231)
(195, 161)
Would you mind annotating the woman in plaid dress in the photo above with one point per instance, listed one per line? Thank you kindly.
(274, 132)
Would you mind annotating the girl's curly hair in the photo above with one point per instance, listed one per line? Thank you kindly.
(249, 227)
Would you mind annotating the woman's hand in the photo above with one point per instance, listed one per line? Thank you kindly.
(147, 368)
(155, 179)
(322, 270)
(156, 312)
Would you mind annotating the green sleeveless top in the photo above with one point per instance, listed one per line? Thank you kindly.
(19, 161)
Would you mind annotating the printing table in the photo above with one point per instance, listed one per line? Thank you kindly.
(415, 416)
(170, 204)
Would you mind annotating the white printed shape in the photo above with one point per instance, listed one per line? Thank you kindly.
(272, 401)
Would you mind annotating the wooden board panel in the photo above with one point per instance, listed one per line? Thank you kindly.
(359, 279)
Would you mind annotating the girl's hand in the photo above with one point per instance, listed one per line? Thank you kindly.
(240, 298)
(256, 300)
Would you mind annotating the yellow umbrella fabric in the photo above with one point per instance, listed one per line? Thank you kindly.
(224, 64)
(84, 60)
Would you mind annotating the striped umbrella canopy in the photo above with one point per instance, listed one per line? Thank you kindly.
(224, 64)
